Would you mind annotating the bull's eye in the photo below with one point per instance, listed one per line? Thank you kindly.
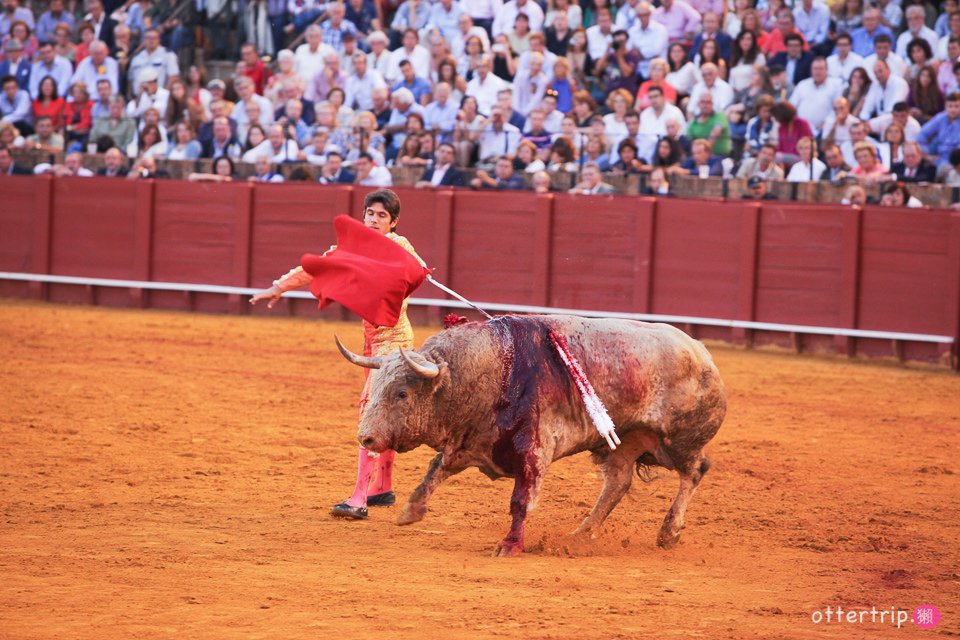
(402, 395)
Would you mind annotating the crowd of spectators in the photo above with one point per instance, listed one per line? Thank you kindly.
(851, 93)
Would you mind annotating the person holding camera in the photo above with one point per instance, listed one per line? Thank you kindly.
(618, 68)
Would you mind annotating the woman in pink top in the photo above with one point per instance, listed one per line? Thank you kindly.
(790, 129)
(869, 169)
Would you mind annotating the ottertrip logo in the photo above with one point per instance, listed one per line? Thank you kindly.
(926, 616)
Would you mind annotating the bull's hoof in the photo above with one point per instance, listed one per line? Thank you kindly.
(668, 541)
(508, 549)
(411, 514)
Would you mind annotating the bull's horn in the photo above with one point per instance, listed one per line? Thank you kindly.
(420, 364)
(360, 361)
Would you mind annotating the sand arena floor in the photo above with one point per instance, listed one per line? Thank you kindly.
(167, 475)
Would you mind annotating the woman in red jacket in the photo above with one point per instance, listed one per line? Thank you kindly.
(48, 103)
(77, 115)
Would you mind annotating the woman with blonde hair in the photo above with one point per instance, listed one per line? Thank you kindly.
(615, 123)
(869, 169)
(657, 78)
(808, 168)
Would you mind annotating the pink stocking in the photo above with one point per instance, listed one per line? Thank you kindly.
(384, 481)
(365, 468)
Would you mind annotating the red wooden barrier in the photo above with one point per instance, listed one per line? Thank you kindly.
(771, 262)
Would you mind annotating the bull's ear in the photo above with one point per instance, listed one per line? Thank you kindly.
(443, 378)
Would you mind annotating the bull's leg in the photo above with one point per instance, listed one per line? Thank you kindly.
(617, 468)
(416, 507)
(690, 476)
(526, 492)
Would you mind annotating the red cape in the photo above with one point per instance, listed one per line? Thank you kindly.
(367, 273)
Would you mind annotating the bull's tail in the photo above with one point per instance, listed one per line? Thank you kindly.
(646, 463)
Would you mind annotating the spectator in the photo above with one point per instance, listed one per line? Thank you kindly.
(795, 61)
(98, 65)
(952, 178)
(484, 86)
(885, 92)
(647, 37)
(263, 107)
(121, 129)
(7, 165)
(790, 128)
(657, 184)
(916, 29)
(51, 18)
(757, 190)
(869, 169)
(148, 143)
(813, 21)
(836, 126)
(627, 161)
(948, 75)
(746, 55)
(883, 50)
(702, 163)
(77, 115)
(371, 175)
(101, 106)
(717, 89)
(410, 153)
(761, 127)
(445, 16)
(526, 160)
(411, 51)
(863, 37)
(15, 105)
(519, 37)
(855, 195)
(498, 138)
(185, 146)
(919, 56)
(595, 151)
(897, 195)
(223, 142)
(681, 20)
(49, 64)
(891, 15)
(900, 115)
(223, 171)
(857, 90)
(842, 63)
(46, 138)
(329, 78)
(49, 103)
(333, 171)
(113, 164)
(808, 168)
(591, 182)
(711, 31)
(503, 179)
(562, 156)
(858, 134)
(941, 134)
(72, 166)
(776, 41)
(442, 173)
(530, 86)
(708, 52)
(309, 56)
(710, 125)
(925, 99)
(506, 16)
(814, 97)
(914, 167)
(762, 165)
(151, 95)
(361, 83)
(156, 57)
(952, 19)
(16, 63)
(263, 171)
(837, 170)
(542, 182)
(65, 47)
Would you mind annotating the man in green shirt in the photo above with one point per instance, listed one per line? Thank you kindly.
(710, 125)
(116, 125)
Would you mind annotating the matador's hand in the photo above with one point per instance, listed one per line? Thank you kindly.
(272, 295)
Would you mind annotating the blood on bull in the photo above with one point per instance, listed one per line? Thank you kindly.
(495, 395)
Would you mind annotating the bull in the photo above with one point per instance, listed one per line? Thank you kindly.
(495, 395)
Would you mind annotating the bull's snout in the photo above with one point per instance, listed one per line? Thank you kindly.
(366, 442)
(371, 443)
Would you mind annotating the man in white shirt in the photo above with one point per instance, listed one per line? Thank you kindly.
(901, 115)
(279, 147)
(156, 57)
(653, 123)
(485, 85)
(953, 26)
(884, 51)
(263, 172)
(507, 16)
(844, 61)
(418, 56)
(600, 35)
(836, 126)
(369, 174)
(499, 138)
(445, 16)
(308, 59)
(814, 96)
(530, 86)
(858, 134)
(812, 19)
(538, 45)
(916, 29)
(361, 83)
(152, 95)
(48, 63)
(885, 92)
(441, 114)
(379, 56)
(247, 94)
(465, 29)
(96, 66)
(648, 37)
(721, 91)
